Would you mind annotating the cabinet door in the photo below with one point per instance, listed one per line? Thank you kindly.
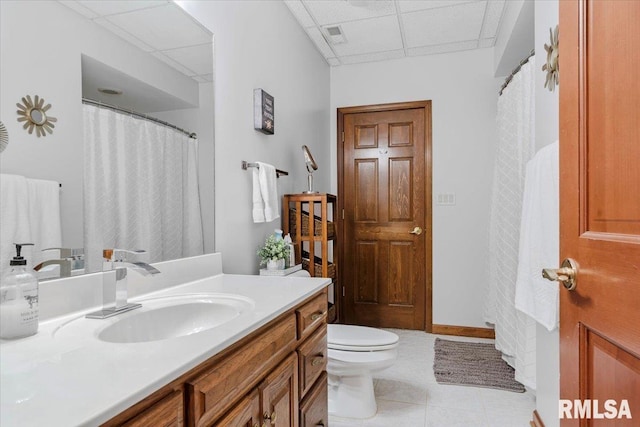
(280, 395)
(314, 409)
(244, 414)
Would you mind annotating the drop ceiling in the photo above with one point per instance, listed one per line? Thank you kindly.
(377, 30)
(188, 47)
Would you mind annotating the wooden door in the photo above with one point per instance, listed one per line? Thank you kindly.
(384, 182)
(280, 395)
(600, 207)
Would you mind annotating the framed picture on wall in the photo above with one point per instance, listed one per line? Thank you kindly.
(264, 119)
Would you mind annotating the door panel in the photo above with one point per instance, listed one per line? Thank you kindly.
(280, 395)
(385, 191)
(600, 204)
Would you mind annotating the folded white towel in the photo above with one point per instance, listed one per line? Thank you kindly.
(258, 204)
(44, 218)
(539, 238)
(14, 218)
(269, 191)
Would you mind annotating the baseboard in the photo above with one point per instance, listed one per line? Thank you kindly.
(537, 421)
(463, 331)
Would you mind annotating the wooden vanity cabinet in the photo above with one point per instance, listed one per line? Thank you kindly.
(274, 377)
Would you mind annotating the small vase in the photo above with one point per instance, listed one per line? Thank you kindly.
(275, 265)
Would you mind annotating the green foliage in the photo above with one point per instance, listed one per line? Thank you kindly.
(273, 250)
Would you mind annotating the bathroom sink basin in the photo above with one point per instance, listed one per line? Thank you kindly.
(165, 318)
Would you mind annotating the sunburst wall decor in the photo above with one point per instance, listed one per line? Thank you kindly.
(34, 115)
(552, 66)
(4, 137)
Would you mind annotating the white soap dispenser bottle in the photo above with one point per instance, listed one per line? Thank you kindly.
(18, 299)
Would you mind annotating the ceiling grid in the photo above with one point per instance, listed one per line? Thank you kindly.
(377, 30)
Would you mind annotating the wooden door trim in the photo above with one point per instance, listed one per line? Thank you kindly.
(426, 106)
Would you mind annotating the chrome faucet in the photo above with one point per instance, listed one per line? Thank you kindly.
(70, 260)
(116, 264)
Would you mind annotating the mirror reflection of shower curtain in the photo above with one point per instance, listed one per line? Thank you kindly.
(140, 188)
(515, 331)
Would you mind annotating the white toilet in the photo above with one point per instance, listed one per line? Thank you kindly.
(354, 353)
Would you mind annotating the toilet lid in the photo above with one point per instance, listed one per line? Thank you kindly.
(359, 338)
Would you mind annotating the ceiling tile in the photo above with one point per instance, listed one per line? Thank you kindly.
(415, 5)
(300, 12)
(111, 7)
(372, 57)
(150, 26)
(492, 18)
(444, 25)
(125, 35)
(197, 58)
(442, 48)
(320, 42)
(369, 36)
(76, 6)
(184, 70)
(334, 62)
(337, 11)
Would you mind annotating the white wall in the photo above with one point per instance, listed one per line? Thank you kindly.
(464, 96)
(259, 44)
(547, 131)
(42, 43)
(515, 36)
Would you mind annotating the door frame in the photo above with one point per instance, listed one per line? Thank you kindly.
(428, 145)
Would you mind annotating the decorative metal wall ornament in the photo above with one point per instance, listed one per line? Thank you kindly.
(34, 115)
(552, 67)
(4, 137)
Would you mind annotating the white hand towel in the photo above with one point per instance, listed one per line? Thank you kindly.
(269, 191)
(539, 238)
(14, 217)
(258, 204)
(44, 218)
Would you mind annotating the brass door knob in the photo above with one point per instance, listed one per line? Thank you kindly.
(567, 274)
(416, 230)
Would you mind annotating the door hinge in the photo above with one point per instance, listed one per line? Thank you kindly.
(343, 137)
(342, 213)
(343, 292)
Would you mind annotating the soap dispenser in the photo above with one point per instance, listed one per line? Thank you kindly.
(18, 299)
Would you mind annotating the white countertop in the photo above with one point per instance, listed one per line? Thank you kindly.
(55, 379)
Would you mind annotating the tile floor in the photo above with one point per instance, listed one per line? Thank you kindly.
(408, 394)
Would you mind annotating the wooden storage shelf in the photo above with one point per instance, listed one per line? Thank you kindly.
(321, 233)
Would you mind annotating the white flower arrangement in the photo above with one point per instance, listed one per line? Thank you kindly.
(273, 250)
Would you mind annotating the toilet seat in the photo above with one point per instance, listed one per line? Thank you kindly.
(359, 338)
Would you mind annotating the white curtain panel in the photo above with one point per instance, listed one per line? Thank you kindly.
(140, 188)
(515, 331)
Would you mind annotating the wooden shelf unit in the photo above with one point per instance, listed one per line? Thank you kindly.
(311, 221)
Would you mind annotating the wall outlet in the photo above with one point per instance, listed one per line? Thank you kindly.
(446, 199)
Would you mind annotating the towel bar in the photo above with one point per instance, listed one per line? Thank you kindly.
(246, 165)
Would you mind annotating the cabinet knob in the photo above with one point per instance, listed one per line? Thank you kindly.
(271, 418)
(317, 360)
(316, 316)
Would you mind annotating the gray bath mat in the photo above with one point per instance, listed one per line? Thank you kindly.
(474, 364)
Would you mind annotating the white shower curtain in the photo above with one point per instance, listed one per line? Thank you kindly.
(515, 331)
(140, 188)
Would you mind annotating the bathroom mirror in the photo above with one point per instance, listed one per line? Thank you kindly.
(162, 71)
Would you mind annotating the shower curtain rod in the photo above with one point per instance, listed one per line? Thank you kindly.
(139, 115)
(515, 71)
